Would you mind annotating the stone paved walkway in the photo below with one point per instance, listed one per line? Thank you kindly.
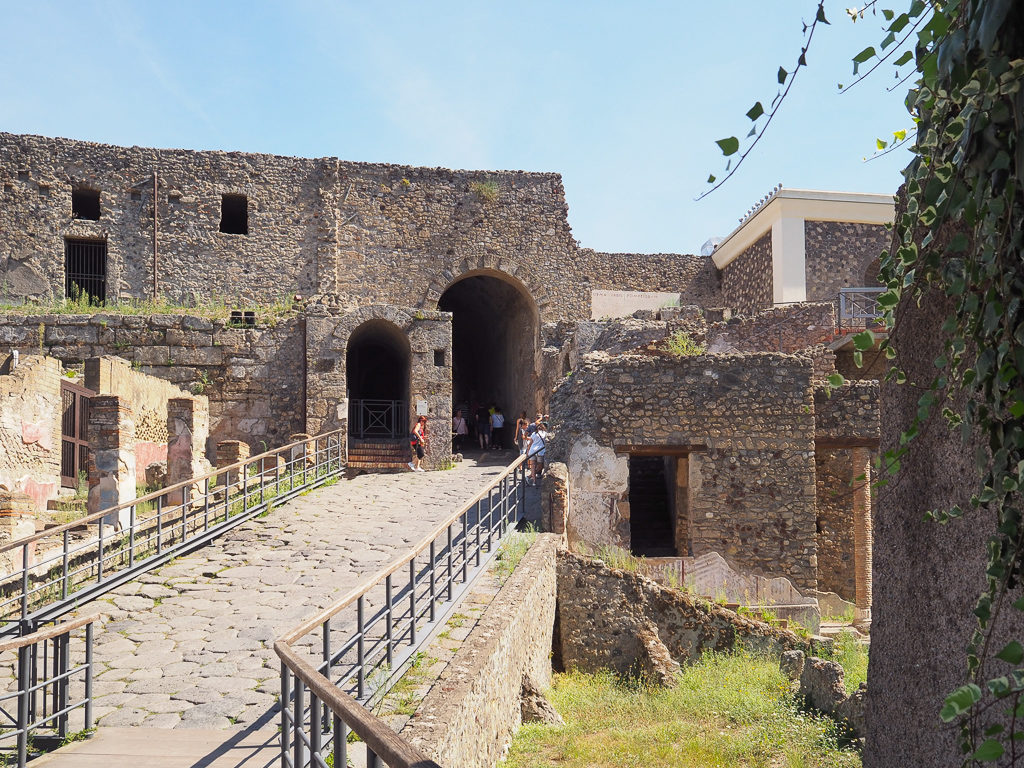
(190, 645)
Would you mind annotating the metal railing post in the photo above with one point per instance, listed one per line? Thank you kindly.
(389, 618)
(286, 693)
(65, 584)
(340, 742)
(465, 545)
(159, 524)
(412, 601)
(23, 694)
(206, 505)
(361, 648)
(88, 676)
(24, 580)
(297, 722)
(433, 579)
(131, 535)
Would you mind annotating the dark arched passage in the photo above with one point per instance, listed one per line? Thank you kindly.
(494, 341)
(377, 375)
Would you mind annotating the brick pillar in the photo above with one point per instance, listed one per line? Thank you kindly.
(554, 498)
(188, 425)
(231, 452)
(112, 458)
(17, 520)
(861, 458)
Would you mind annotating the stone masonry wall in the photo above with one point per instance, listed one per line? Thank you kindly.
(749, 424)
(426, 332)
(838, 254)
(747, 282)
(471, 713)
(834, 475)
(693, 276)
(30, 413)
(786, 329)
(849, 413)
(253, 377)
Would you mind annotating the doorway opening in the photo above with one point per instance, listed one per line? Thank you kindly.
(494, 342)
(377, 373)
(652, 505)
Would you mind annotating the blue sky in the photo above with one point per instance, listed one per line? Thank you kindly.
(624, 100)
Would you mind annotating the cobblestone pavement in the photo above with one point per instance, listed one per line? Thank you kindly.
(190, 645)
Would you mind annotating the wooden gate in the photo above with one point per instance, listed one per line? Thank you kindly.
(74, 429)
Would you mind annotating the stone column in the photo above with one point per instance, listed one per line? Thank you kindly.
(861, 458)
(188, 425)
(17, 520)
(112, 458)
(231, 452)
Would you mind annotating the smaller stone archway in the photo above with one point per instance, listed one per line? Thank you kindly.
(377, 366)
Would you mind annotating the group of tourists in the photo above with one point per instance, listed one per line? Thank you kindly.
(530, 437)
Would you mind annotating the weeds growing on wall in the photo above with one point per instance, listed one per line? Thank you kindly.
(681, 344)
(485, 190)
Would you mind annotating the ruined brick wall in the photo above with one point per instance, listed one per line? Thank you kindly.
(839, 254)
(693, 276)
(750, 422)
(146, 398)
(30, 412)
(254, 378)
(786, 329)
(834, 474)
(848, 413)
(747, 282)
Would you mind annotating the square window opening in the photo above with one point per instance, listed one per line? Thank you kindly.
(85, 270)
(85, 204)
(439, 357)
(234, 214)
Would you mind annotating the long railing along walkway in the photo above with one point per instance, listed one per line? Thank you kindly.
(189, 645)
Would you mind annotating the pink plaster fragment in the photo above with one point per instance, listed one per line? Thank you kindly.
(36, 433)
(145, 454)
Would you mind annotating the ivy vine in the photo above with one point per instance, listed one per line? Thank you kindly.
(959, 230)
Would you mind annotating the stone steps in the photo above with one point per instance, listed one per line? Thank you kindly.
(379, 455)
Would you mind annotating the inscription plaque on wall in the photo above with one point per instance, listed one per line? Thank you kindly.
(625, 303)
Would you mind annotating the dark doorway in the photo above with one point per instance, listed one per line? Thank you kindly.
(651, 531)
(85, 270)
(377, 372)
(494, 338)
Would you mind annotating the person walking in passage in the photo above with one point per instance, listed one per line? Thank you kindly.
(483, 427)
(418, 443)
(497, 428)
(538, 447)
(460, 430)
(522, 439)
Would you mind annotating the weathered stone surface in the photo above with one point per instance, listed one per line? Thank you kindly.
(535, 708)
(791, 663)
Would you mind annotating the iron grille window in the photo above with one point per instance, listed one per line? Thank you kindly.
(234, 214)
(85, 204)
(85, 265)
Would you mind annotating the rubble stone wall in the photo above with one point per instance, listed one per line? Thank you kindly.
(253, 377)
(838, 254)
(848, 413)
(693, 276)
(30, 413)
(748, 421)
(834, 474)
(747, 282)
(786, 329)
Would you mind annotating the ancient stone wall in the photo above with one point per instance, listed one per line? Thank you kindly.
(253, 377)
(748, 424)
(786, 329)
(874, 364)
(834, 484)
(428, 338)
(614, 619)
(30, 413)
(693, 276)
(471, 713)
(838, 255)
(849, 413)
(145, 397)
(747, 282)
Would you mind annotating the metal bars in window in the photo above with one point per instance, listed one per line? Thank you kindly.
(85, 265)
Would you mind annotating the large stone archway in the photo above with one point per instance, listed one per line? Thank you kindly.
(377, 380)
(495, 338)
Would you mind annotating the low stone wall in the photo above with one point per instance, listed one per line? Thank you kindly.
(614, 619)
(472, 712)
(848, 413)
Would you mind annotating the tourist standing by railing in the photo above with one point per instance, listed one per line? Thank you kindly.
(418, 443)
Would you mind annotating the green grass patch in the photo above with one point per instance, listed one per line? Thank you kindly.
(853, 657)
(512, 551)
(728, 710)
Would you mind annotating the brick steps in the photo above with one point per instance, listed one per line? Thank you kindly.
(379, 455)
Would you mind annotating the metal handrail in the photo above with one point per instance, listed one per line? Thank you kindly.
(43, 691)
(204, 507)
(859, 304)
(330, 710)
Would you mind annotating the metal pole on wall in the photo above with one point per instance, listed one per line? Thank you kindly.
(155, 225)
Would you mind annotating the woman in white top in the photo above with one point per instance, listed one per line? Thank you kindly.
(497, 429)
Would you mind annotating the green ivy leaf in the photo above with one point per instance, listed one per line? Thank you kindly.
(711, 179)
(904, 58)
(755, 111)
(782, 75)
(958, 702)
(864, 340)
(729, 146)
(989, 751)
(820, 16)
(1012, 653)
(836, 380)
